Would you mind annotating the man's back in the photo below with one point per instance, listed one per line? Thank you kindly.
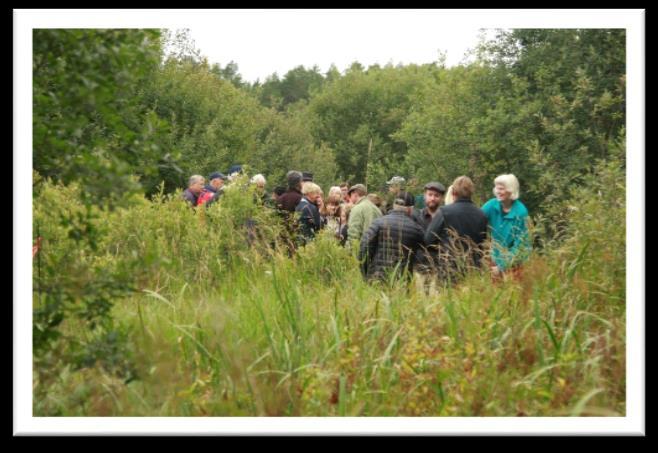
(362, 215)
(289, 200)
(464, 220)
(390, 241)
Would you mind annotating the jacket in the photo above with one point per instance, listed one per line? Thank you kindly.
(390, 245)
(457, 234)
(509, 233)
(361, 216)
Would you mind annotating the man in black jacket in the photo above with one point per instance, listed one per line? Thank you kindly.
(390, 243)
(457, 232)
(426, 260)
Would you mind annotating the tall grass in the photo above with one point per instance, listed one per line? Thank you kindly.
(221, 327)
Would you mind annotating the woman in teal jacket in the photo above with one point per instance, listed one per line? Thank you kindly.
(508, 223)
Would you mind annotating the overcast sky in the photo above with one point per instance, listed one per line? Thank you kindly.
(265, 42)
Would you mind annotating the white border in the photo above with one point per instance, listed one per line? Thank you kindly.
(25, 424)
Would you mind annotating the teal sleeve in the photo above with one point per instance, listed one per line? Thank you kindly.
(521, 246)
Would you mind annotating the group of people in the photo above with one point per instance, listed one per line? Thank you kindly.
(394, 236)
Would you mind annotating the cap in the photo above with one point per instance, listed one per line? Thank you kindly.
(216, 175)
(396, 180)
(359, 188)
(435, 186)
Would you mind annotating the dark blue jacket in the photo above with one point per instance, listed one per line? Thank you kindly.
(310, 221)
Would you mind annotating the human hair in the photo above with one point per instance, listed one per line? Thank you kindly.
(449, 199)
(375, 199)
(258, 179)
(310, 187)
(462, 187)
(345, 184)
(334, 193)
(195, 179)
(294, 179)
(279, 190)
(510, 183)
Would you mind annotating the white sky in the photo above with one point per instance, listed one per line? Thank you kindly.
(262, 43)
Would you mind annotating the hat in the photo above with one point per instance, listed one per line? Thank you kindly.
(307, 176)
(237, 168)
(360, 188)
(399, 202)
(216, 175)
(435, 186)
(396, 180)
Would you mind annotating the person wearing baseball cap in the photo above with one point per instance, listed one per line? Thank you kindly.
(395, 189)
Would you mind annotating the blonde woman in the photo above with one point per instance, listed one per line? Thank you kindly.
(449, 196)
(508, 224)
(310, 221)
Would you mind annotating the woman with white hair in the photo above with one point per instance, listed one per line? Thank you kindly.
(259, 181)
(508, 223)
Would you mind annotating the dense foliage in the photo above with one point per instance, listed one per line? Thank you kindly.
(143, 306)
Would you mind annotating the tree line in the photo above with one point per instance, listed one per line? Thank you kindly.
(116, 112)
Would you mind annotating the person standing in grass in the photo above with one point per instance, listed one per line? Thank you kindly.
(214, 190)
(362, 213)
(310, 221)
(457, 232)
(508, 224)
(194, 189)
(390, 244)
(426, 263)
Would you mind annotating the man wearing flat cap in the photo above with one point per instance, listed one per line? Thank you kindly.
(433, 196)
(426, 261)
(388, 247)
(361, 215)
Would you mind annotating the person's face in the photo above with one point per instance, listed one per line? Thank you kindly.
(433, 199)
(260, 186)
(312, 197)
(501, 193)
(354, 197)
(393, 188)
(343, 192)
(197, 187)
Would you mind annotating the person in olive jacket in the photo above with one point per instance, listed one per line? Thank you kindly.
(458, 232)
(362, 214)
(390, 243)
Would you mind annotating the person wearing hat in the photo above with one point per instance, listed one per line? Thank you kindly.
(214, 189)
(390, 244)
(395, 189)
(362, 214)
(426, 259)
(433, 197)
